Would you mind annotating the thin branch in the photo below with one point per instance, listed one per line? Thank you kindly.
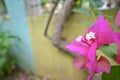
(49, 19)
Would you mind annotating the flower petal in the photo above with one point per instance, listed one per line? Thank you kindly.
(78, 47)
(118, 55)
(117, 41)
(90, 76)
(117, 20)
(80, 62)
(103, 65)
(102, 30)
(92, 57)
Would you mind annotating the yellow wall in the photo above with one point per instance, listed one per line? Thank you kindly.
(51, 61)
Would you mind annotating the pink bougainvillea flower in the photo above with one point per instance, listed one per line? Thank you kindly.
(99, 34)
(117, 36)
(102, 65)
(117, 41)
(117, 21)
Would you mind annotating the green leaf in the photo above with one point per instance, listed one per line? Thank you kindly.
(1, 73)
(98, 12)
(2, 61)
(92, 4)
(109, 50)
(95, 3)
(8, 69)
(6, 43)
(5, 62)
(3, 51)
(84, 11)
(77, 4)
(88, 23)
(113, 75)
(99, 3)
(14, 37)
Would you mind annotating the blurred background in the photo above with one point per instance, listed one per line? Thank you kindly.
(26, 54)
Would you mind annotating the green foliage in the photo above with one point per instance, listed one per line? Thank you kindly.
(113, 75)
(109, 50)
(95, 3)
(88, 23)
(83, 11)
(90, 9)
(44, 1)
(5, 62)
(78, 4)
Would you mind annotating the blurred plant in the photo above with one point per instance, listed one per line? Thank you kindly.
(7, 64)
(89, 7)
(113, 75)
(43, 2)
(78, 4)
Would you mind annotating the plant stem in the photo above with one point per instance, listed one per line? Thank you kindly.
(93, 15)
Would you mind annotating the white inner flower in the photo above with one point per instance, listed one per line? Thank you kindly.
(90, 35)
(79, 38)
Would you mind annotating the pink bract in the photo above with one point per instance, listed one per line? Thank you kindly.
(97, 35)
(117, 20)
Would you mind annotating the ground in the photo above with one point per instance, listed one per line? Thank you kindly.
(21, 75)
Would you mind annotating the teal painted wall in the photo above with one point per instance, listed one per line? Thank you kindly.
(17, 24)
